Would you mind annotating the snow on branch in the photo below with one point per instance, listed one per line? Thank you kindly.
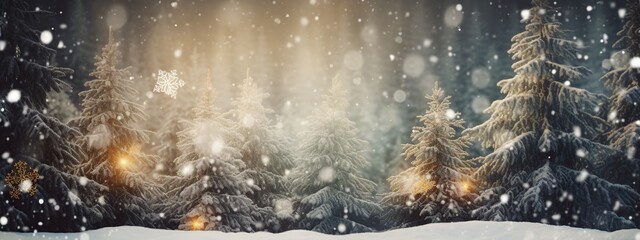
(514, 156)
(325, 202)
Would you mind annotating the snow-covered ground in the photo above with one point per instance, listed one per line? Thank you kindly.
(442, 231)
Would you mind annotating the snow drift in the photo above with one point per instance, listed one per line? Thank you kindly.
(474, 230)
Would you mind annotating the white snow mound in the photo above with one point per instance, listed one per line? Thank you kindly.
(440, 231)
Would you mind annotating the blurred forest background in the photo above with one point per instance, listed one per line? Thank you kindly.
(389, 54)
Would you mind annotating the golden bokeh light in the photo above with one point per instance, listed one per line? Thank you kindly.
(465, 187)
(123, 162)
(125, 159)
(421, 186)
(197, 224)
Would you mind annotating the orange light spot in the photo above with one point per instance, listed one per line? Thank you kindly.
(421, 186)
(123, 162)
(466, 187)
(197, 224)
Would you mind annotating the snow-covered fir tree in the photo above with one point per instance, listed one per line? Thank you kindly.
(335, 196)
(112, 145)
(438, 187)
(166, 146)
(540, 168)
(38, 192)
(207, 193)
(171, 112)
(264, 150)
(624, 111)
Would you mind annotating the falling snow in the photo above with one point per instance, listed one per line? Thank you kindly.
(46, 37)
(635, 62)
(302, 115)
(14, 96)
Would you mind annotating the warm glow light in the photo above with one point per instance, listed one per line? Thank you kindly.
(127, 157)
(197, 224)
(123, 162)
(420, 185)
(413, 183)
(466, 187)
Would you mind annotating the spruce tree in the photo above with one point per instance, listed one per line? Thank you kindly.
(540, 133)
(264, 150)
(172, 112)
(624, 112)
(438, 187)
(113, 146)
(335, 196)
(209, 194)
(166, 145)
(38, 191)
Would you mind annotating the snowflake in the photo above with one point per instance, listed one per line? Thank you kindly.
(168, 83)
(21, 181)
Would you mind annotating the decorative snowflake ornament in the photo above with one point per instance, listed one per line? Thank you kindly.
(168, 83)
(20, 181)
